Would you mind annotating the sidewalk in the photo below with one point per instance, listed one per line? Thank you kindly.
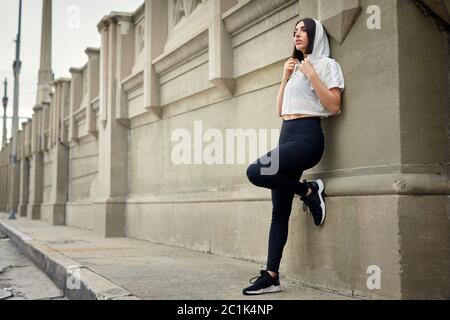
(125, 268)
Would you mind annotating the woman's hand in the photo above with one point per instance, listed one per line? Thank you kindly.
(307, 68)
(289, 68)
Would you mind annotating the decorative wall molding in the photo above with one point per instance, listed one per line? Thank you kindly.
(80, 115)
(182, 9)
(132, 87)
(93, 78)
(132, 82)
(75, 101)
(59, 107)
(338, 16)
(156, 31)
(140, 41)
(139, 14)
(247, 13)
(377, 185)
(139, 25)
(440, 7)
(186, 52)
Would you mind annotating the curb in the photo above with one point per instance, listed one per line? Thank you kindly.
(75, 280)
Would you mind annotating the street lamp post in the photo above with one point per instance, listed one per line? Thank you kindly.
(5, 104)
(15, 123)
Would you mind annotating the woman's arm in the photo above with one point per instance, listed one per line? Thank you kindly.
(330, 98)
(280, 95)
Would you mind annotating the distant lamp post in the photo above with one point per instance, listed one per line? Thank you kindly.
(15, 123)
(5, 104)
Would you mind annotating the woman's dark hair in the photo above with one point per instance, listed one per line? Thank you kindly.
(310, 28)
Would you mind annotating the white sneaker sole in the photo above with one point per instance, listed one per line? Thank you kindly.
(322, 202)
(270, 289)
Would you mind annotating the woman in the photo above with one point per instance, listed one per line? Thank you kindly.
(307, 94)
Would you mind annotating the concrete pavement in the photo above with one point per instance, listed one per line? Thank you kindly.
(125, 268)
(20, 279)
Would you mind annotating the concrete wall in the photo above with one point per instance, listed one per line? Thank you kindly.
(83, 168)
(212, 222)
(30, 185)
(4, 175)
(47, 186)
(424, 216)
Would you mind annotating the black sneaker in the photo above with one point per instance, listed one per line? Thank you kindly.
(315, 201)
(264, 283)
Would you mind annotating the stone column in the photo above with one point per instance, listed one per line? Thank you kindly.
(45, 79)
(3, 162)
(221, 55)
(36, 181)
(112, 186)
(59, 184)
(104, 77)
(5, 176)
(47, 123)
(125, 47)
(53, 115)
(92, 79)
(35, 125)
(24, 172)
(423, 186)
(14, 177)
(1, 181)
(36, 167)
(156, 29)
(76, 94)
(384, 164)
(60, 155)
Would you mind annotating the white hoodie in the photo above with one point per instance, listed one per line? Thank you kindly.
(299, 95)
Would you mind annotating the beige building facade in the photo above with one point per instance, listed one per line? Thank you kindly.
(99, 151)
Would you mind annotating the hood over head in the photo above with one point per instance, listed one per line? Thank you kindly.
(321, 47)
(326, 67)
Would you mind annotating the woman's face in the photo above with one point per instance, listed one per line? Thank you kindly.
(300, 37)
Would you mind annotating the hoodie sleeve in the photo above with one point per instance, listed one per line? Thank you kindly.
(332, 75)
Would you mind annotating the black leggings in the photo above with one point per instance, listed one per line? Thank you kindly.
(300, 147)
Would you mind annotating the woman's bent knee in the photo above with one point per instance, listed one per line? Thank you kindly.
(253, 174)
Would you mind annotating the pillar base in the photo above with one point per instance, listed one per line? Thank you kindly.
(57, 215)
(34, 211)
(23, 210)
(109, 218)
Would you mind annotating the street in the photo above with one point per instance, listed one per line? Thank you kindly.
(20, 279)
